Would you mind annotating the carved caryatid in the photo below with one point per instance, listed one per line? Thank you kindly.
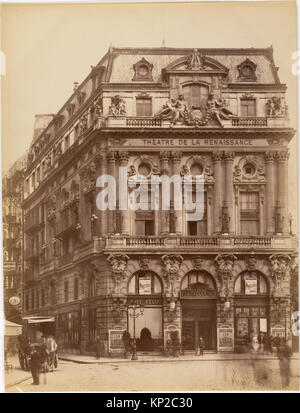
(118, 264)
(280, 268)
(224, 263)
(172, 265)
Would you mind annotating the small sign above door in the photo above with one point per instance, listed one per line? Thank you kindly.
(199, 291)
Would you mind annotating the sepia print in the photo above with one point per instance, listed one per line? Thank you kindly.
(150, 197)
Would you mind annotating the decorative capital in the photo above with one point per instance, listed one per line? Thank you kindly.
(229, 156)
(280, 268)
(283, 156)
(111, 156)
(270, 156)
(118, 263)
(123, 157)
(217, 156)
(176, 156)
(164, 156)
(225, 263)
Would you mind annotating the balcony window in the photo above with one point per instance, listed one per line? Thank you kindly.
(143, 107)
(198, 228)
(249, 213)
(195, 95)
(144, 227)
(248, 107)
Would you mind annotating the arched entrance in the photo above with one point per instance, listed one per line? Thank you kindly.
(198, 302)
(251, 305)
(145, 290)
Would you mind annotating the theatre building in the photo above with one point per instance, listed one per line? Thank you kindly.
(218, 113)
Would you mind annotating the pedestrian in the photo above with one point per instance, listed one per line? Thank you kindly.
(126, 343)
(284, 355)
(38, 358)
(97, 347)
(201, 345)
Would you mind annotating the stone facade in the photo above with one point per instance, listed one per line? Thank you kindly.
(219, 113)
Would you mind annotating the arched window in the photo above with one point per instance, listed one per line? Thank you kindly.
(195, 278)
(144, 283)
(251, 283)
(196, 95)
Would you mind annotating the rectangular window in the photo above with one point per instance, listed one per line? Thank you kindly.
(27, 302)
(198, 228)
(248, 107)
(43, 299)
(249, 213)
(92, 323)
(76, 289)
(66, 291)
(143, 107)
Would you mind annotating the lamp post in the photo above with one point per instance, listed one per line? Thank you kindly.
(135, 311)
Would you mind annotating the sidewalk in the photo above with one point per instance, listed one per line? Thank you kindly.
(144, 358)
(16, 375)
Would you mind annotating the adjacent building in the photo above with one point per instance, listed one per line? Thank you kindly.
(12, 197)
(219, 113)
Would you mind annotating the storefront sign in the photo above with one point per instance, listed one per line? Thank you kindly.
(225, 339)
(278, 331)
(250, 286)
(14, 300)
(115, 342)
(198, 293)
(196, 142)
(145, 301)
(168, 331)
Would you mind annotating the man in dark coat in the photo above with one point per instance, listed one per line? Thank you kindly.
(38, 358)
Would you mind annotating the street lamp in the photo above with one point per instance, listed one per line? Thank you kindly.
(135, 311)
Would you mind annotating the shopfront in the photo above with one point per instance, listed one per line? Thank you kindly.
(251, 305)
(145, 310)
(198, 303)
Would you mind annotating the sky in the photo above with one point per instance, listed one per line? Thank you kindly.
(49, 47)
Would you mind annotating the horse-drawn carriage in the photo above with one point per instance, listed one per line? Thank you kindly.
(38, 335)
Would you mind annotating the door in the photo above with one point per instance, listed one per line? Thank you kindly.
(205, 330)
(188, 335)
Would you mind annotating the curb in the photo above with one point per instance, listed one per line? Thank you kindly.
(163, 360)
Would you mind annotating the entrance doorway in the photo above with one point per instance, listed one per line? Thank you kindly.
(198, 322)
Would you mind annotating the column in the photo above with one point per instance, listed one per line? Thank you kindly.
(123, 157)
(270, 156)
(217, 200)
(229, 194)
(111, 160)
(103, 214)
(283, 187)
(164, 163)
(176, 157)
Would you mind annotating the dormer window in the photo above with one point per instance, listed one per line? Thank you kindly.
(247, 71)
(143, 70)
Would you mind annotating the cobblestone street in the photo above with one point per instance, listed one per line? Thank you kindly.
(202, 375)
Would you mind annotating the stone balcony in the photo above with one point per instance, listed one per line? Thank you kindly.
(190, 243)
(234, 122)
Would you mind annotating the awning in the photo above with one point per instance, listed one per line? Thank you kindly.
(12, 329)
(39, 319)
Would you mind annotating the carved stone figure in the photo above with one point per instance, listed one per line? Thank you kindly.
(195, 61)
(280, 268)
(224, 264)
(119, 264)
(274, 107)
(83, 124)
(171, 267)
(144, 262)
(117, 107)
(251, 262)
(218, 109)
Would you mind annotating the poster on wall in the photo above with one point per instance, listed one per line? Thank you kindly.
(278, 331)
(263, 325)
(225, 339)
(115, 342)
(250, 286)
(145, 285)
